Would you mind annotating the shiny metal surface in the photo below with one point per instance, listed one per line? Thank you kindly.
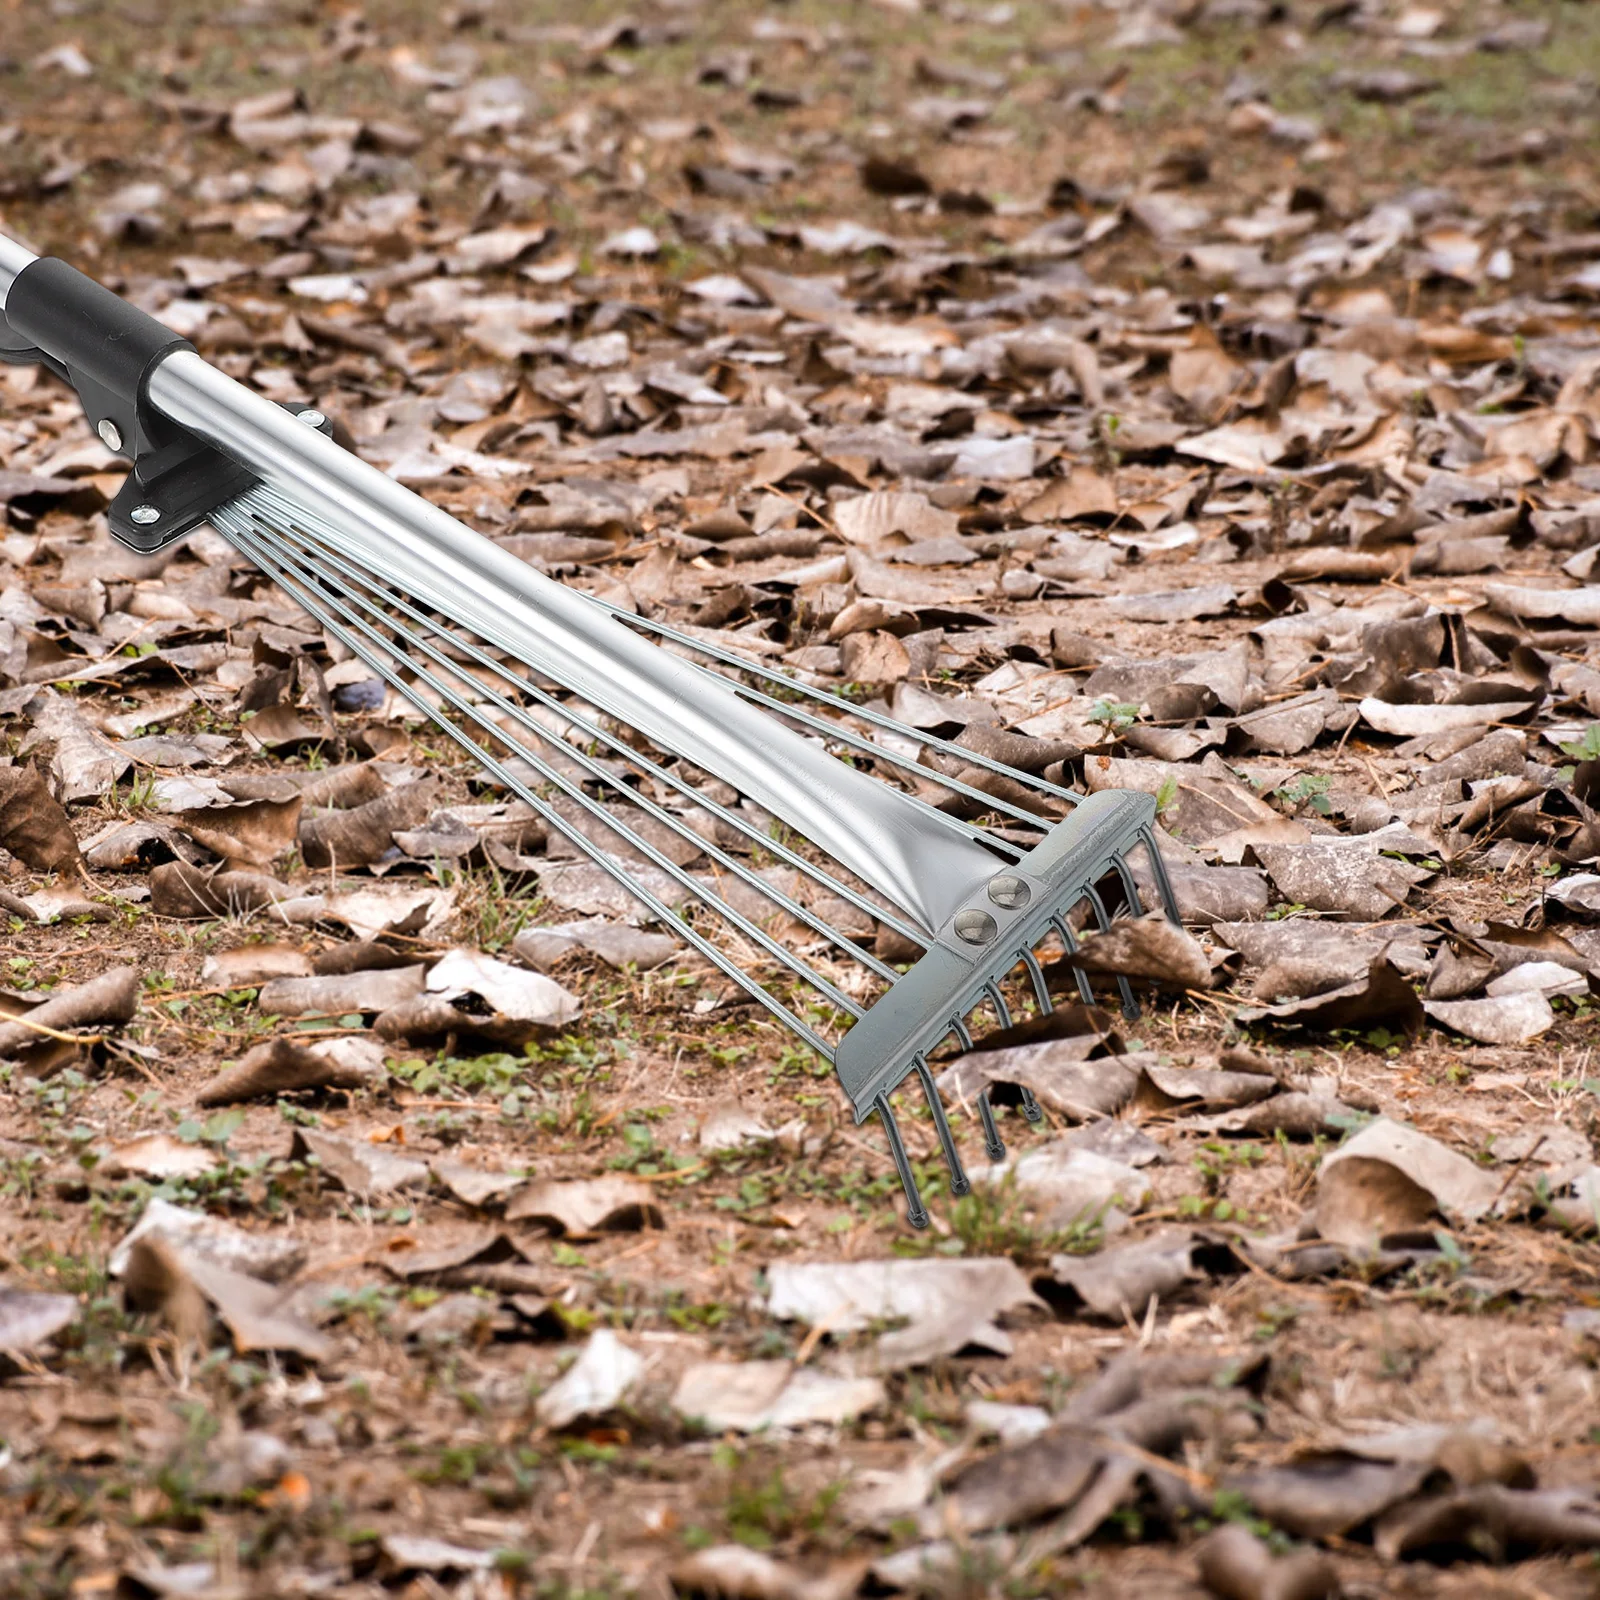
(922, 861)
(13, 258)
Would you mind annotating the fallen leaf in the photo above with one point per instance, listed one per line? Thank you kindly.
(584, 1206)
(358, 1166)
(750, 1396)
(597, 1382)
(33, 824)
(1501, 1019)
(1390, 1178)
(845, 1296)
(281, 1066)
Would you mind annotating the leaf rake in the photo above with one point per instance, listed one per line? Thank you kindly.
(645, 746)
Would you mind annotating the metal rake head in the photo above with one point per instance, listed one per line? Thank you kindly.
(645, 747)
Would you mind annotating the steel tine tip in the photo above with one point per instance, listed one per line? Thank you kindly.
(960, 1183)
(916, 1212)
(994, 1146)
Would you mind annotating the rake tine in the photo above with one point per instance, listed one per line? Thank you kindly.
(1030, 1106)
(1041, 989)
(960, 1183)
(994, 1145)
(1129, 887)
(1070, 940)
(916, 1212)
(1130, 1006)
(1001, 1010)
(1158, 871)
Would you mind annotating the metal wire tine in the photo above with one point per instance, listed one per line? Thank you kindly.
(1041, 989)
(960, 1183)
(856, 741)
(667, 818)
(637, 759)
(594, 808)
(302, 591)
(1129, 887)
(1070, 940)
(916, 1212)
(1130, 1006)
(865, 714)
(1002, 1011)
(1158, 871)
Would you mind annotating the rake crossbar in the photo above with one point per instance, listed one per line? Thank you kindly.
(645, 749)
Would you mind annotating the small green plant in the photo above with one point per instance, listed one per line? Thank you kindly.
(1587, 748)
(1309, 789)
(1114, 714)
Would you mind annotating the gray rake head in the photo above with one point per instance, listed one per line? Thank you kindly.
(638, 743)
(573, 764)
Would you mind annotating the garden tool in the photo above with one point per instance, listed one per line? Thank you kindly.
(832, 831)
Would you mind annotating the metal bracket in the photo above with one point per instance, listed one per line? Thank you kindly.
(171, 490)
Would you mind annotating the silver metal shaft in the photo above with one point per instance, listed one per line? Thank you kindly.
(924, 863)
(13, 258)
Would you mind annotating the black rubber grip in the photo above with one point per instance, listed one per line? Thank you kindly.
(86, 328)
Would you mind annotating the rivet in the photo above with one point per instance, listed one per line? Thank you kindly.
(312, 418)
(144, 515)
(975, 927)
(1009, 891)
(110, 434)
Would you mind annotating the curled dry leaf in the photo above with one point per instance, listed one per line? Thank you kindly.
(1236, 1565)
(1148, 948)
(336, 994)
(356, 838)
(254, 832)
(104, 1002)
(584, 1206)
(33, 824)
(736, 1572)
(1121, 1282)
(1390, 1178)
(281, 1066)
(358, 1166)
(271, 1256)
(1500, 1019)
(844, 1296)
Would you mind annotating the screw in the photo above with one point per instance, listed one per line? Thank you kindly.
(110, 434)
(144, 515)
(975, 927)
(312, 418)
(1009, 891)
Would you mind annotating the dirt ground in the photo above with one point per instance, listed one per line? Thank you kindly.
(1201, 398)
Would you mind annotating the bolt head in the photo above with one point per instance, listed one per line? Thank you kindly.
(311, 417)
(975, 927)
(110, 434)
(145, 515)
(1009, 891)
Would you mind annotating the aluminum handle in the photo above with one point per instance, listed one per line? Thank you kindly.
(13, 258)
